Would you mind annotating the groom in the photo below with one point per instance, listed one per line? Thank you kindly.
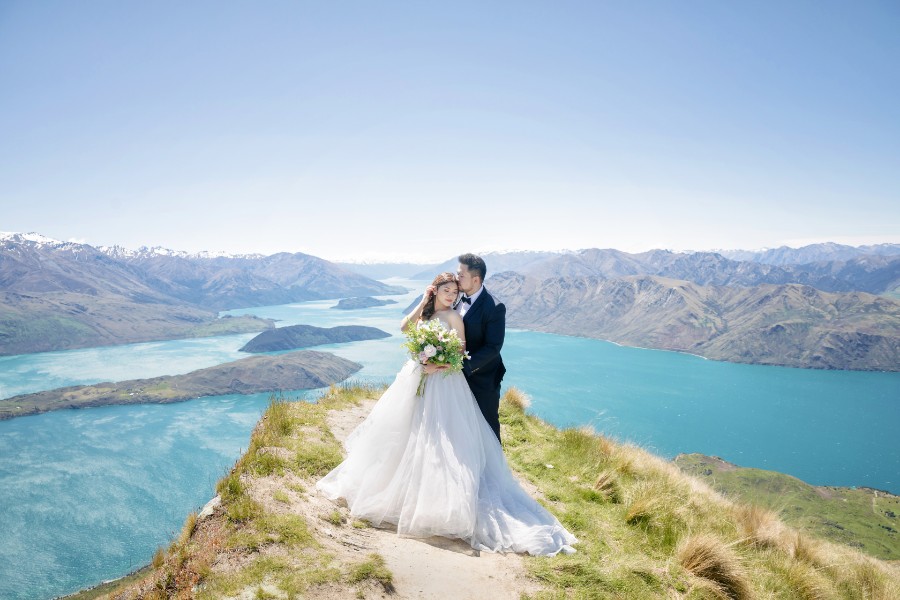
(485, 323)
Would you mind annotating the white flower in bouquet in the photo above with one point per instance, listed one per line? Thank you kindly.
(430, 342)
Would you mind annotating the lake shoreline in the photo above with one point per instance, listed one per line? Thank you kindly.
(709, 358)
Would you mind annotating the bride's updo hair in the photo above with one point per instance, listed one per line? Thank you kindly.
(440, 280)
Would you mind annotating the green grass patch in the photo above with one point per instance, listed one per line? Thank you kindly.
(229, 325)
(242, 510)
(373, 568)
(264, 462)
(316, 460)
(288, 530)
(291, 576)
(335, 518)
(230, 487)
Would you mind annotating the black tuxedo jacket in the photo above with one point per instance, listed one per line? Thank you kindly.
(485, 325)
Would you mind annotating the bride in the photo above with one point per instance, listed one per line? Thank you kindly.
(432, 466)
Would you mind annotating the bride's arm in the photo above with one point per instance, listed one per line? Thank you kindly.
(416, 313)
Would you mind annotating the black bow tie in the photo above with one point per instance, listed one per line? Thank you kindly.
(466, 299)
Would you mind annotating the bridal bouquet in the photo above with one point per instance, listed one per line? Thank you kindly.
(431, 342)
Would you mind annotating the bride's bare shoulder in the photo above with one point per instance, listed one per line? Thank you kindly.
(452, 318)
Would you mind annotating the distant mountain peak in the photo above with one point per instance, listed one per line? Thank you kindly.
(116, 251)
(36, 238)
(152, 251)
(36, 241)
(811, 253)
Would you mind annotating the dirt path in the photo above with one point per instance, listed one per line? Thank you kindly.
(430, 568)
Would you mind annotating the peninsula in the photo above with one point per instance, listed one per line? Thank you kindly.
(257, 374)
(304, 336)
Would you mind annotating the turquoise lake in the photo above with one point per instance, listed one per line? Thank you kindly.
(89, 495)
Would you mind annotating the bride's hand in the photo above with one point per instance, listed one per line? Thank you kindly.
(430, 368)
(429, 293)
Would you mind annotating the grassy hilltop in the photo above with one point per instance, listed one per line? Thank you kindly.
(646, 529)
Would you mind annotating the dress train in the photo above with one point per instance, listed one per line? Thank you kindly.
(432, 466)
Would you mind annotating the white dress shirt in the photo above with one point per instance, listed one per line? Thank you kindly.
(462, 308)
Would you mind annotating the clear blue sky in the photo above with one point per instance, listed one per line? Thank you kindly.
(422, 129)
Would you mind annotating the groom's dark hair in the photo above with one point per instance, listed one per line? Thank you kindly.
(475, 264)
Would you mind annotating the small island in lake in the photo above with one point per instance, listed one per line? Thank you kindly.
(364, 302)
(253, 375)
(304, 336)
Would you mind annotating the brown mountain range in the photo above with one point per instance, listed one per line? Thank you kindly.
(61, 295)
(791, 324)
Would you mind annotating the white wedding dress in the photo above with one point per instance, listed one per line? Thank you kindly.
(432, 466)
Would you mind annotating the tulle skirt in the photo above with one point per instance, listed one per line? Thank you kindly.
(431, 465)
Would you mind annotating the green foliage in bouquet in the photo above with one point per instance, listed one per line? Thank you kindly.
(431, 342)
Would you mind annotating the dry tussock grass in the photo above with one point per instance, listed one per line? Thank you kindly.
(190, 524)
(713, 561)
(608, 487)
(821, 570)
(646, 502)
(701, 491)
(807, 583)
(517, 399)
(809, 550)
(762, 528)
(638, 463)
(875, 580)
(607, 446)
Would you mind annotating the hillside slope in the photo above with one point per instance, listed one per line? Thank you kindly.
(646, 530)
(860, 517)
